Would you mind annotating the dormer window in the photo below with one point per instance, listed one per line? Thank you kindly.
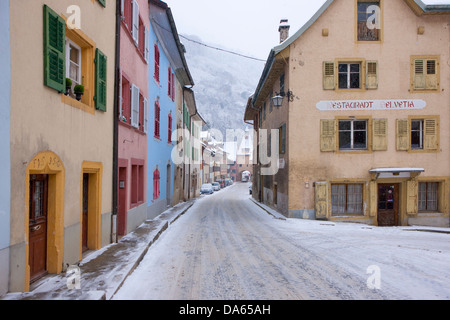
(369, 20)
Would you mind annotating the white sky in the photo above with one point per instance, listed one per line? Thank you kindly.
(246, 26)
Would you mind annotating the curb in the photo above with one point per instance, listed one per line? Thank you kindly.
(151, 242)
(96, 290)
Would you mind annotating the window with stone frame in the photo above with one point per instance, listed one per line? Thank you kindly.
(369, 15)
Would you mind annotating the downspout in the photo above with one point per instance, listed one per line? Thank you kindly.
(189, 167)
(116, 126)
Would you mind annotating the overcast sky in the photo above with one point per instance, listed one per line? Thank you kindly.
(247, 26)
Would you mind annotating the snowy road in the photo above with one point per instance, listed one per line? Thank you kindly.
(226, 247)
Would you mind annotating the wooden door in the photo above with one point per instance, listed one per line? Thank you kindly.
(122, 203)
(388, 204)
(85, 209)
(38, 226)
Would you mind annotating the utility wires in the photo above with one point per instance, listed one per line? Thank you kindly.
(208, 46)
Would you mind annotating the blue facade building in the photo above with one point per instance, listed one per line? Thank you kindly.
(167, 75)
(5, 168)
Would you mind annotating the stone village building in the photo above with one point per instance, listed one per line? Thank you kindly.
(61, 146)
(79, 171)
(364, 123)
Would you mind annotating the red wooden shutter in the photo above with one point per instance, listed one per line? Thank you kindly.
(154, 185)
(156, 63)
(169, 83)
(157, 120)
(170, 128)
(173, 86)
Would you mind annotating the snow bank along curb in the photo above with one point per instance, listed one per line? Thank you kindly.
(269, 210)
(104, 271)
(279, 216)
(151, 242)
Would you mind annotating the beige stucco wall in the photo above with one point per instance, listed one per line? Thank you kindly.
(40, 121)
(306, 162)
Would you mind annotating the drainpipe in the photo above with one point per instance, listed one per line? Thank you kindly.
(116, 126)
(189, 166)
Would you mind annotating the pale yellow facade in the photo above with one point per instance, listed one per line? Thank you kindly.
(387, 97)
(56, 135)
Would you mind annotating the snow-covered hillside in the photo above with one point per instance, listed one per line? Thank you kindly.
(223, 83)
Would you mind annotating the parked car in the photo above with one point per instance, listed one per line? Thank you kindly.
(207, 188)
(221, 182)
(250, 189)
(228, 182)
(216, 186)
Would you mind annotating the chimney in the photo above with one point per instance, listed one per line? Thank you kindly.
(284, 30)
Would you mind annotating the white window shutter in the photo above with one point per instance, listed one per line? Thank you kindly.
(147, 49)
(145, 115)
(135, 106)
(122, 9)
(135, 31)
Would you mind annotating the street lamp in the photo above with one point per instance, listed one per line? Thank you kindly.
(278, 99)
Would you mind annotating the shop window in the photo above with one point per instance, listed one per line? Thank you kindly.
(346, 199)
(428, 196)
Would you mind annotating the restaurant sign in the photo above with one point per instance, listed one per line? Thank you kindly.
(369, 105)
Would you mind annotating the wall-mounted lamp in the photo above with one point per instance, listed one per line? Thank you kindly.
(278, 99)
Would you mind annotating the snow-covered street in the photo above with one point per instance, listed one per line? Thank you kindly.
(227, 247)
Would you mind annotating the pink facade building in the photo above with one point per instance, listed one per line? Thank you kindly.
(133, 115)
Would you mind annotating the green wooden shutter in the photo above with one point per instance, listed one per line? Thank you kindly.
(54, 50)
(100, 80)
(102, 2)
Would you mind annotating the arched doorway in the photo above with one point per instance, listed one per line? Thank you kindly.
(44, 216)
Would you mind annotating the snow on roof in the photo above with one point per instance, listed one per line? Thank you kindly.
(397, 170)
